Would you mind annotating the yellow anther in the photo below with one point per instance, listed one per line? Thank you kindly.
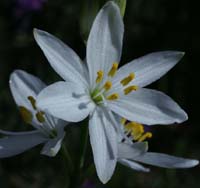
(40, 117)
(26, 114)
(129, 89)
(107, 85)
(145, 136)
(128, 79)
(32, 101)
(113, 96)
(135, 129)
(99, 76)
(123, 121)
(113, 70)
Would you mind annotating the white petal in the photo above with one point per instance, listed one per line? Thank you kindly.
(148, 107)
(133, 165)
(52, 147)
(129, 151)
(105, 40)
(166, 161)
(65, 100)
(23, 85)
(62, 58)
(14, 145)
(103, 140)
(149, 68)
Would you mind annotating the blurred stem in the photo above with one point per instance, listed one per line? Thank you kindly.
(67, 159)
(76, 178)
(89, 9)
(84, 141)
(88, 12)
(122, 6)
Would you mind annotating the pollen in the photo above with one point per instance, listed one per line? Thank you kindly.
(32, 101)
(113, 70)
(99, 76)
(26, 114)
(145, 136)
(130, 89)
(107, 86)
(127, 79)
(135, 129)
(113, 96)
(40, 117)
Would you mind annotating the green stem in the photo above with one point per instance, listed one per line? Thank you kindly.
(67, 158)
(84, 146)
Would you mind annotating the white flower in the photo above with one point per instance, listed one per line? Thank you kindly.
(98, 88)
(49, 130)
(133, 149)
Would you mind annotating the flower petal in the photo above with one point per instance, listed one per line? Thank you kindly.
(62, 58)
(105, 40)
(133, 165)
(52, 147)
(129, 151)
(103, 140)
(148, 107)
(166, 161)
(16, 144)
(23, 85)
(149, 68)
(65, 100)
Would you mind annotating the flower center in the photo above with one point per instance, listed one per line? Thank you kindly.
(102, 88)
(135, 131)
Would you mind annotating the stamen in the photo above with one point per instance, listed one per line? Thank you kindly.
(128, 79)
(40, 117)
(135, 129)
(26, 114)
(107, 85)
(123, 121)
(113, 96)
(113, 70)
(33, 102)
(99, 76)
(145, 136)
(129, 89)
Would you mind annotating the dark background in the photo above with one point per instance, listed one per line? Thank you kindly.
(150, 25)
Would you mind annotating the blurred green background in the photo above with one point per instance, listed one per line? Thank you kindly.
(150, 26)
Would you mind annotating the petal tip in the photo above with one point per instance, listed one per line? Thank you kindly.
(16, 73)
(188, 164)
(183, 117)
(180, 54)
(194, 163)
(104, 180)
(38, 33)
(111, 4)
